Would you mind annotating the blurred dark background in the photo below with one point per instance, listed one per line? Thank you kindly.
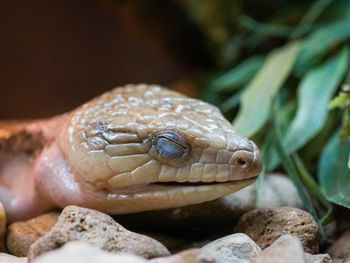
(55, 55)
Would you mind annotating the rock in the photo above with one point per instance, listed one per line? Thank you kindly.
(87, 225)
(266, 225)
(21, 235)
(7, 258)
(187, 256)
(236, 248)
(340, 250)
(278, 191)
(286, 249)
(79, 252)
(2, 228)
(319, 258)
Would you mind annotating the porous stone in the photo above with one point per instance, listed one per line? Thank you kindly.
(286, 249)
(2, 228)
(96, 228)
(318, 258)
(21, 235)
(278, 190)
(237, 248)
(266, 225)
(79, 252)
(187, 256)
(340, 250)
(7, 258)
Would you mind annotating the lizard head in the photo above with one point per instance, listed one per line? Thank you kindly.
(143, 147)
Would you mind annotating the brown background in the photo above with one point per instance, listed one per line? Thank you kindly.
(57, 54)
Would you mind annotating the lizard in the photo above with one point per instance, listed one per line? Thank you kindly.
(135, 148)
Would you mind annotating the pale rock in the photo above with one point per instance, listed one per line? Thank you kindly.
(7, 258)
(2, 228)
(79, 252)
(277, 190)
(235, 248)
(286, 249)
(98, 229)
(266, 225)
(21, 235)
(187, 256)
(318, 258)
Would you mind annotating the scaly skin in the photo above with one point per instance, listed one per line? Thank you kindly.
(135, 148)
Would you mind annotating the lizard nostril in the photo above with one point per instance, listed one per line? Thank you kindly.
(241, 162)
(242, 159)
(245, 164)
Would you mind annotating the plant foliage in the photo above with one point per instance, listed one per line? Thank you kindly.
(295, 52)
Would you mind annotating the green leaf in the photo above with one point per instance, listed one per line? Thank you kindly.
(310, 182)
(320, 42)
(310, 17)
(340, 101)
(314, 95)
(291, 169)
(237, 76)
(232, 102)
(265, 29)
(257, 97)
(285, 115)
(333, 172)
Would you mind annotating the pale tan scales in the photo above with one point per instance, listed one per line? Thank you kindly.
(112, 154)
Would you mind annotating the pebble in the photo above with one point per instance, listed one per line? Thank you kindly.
(187, 256)
(319, 258)
(96, 228)
(237, 248)
(286, 249)
(278, 190)
(79, 252)
(266, 225)
(6, 258)
(340, 250)
(2, 228)
(21, 235)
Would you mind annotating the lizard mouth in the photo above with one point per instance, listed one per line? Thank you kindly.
(156, 196)
(153, 188)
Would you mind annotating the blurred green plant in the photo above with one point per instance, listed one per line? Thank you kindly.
(279, 64)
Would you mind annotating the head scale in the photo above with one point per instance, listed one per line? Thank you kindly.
(143, 134)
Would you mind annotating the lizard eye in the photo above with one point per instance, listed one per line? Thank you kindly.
(170, 144)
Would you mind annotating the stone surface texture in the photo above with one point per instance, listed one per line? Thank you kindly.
(266, 225)
(237, 248)
(21, 235)
(340, 250)
(7, 258)
(318, 258)
(2, 228)
(187, 256)
(79, 252)
(98, 229)
(286, 249)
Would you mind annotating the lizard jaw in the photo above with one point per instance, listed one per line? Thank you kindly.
(163, 196)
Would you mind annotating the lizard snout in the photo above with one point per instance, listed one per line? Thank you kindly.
(247, 163)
